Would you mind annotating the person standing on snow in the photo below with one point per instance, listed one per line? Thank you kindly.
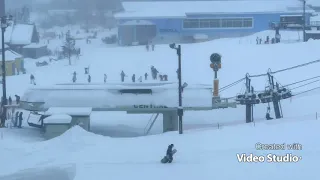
(89, 78)
(140, 79)
(122, 76)
(32, 79)
(170, 153)
(133, 78)
(20, 119)
(105, 78)
(146, 76)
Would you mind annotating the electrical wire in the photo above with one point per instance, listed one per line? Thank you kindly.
(230, 85)
(297, 82)
(307, 91)
(286, 69)
(305, 84)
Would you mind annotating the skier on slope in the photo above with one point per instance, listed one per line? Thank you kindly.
(170, 153)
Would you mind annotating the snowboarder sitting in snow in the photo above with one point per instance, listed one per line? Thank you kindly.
(170, 153)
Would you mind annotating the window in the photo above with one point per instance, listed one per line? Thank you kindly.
(204, 23)
(191, 23)
(226, 23)
(219, 23)
(215, 23)
(237, 23)
(247, 22)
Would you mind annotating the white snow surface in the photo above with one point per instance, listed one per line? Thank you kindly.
(72, 111)
(58, 118)
(204, 151)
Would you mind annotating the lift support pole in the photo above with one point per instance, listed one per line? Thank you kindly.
(275, 98)
(248, 104)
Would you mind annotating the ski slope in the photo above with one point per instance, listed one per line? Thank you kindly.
(203, 153)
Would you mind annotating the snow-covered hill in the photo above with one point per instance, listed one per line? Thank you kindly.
(205, 153)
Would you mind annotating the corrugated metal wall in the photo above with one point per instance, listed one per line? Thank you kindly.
(136, 33)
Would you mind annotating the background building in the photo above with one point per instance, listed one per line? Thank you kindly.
(184, 21)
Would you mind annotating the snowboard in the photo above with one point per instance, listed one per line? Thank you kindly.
(165, 159)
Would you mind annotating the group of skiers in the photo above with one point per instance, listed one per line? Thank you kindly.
(9, 100)
(154, 74)
(16, 119)
(148, 47)
(268, 41)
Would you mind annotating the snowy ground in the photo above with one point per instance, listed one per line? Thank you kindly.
(206, 153)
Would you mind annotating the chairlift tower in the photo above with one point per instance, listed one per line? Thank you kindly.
(275, 96)
(249, 98)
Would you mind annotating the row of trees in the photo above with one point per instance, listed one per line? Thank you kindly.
(87, 12)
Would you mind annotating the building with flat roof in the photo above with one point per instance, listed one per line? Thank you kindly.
(184, 21)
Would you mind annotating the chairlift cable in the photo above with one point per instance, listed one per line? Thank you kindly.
(306, 91)
(286, 69)
(297, 82)
(305, 84)
(230, 85)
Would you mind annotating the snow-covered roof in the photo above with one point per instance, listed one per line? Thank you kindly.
(11, 55)
(185, 8)
(72, 111)
(137, 22)
(34, 45)
(117, 96)
(58, 119)
(22, 34)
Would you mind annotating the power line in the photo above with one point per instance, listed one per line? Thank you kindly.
(286, 69)
(305, 84)
(230, 85)
(297, 82)
(307, 91)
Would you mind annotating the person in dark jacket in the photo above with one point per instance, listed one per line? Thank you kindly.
(10, 100)
(20, 119)
(16, 118)
(146, 76)
(133, 78)
(170, 153)
(17, 99)
(89, 78)
(122, 74)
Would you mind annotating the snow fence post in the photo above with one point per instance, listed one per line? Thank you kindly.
(316, 115)
(218, 126)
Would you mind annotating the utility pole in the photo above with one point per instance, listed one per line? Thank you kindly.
(275, 97)
(4, 25)
(248, 103)
(304, 21)
(180, 108)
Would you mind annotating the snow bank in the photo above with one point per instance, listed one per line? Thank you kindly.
(48, 173)
(57, 119)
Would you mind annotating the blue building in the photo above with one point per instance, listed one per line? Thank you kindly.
(186, 21)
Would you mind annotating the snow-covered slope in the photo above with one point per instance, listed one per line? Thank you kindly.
(207, 153)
